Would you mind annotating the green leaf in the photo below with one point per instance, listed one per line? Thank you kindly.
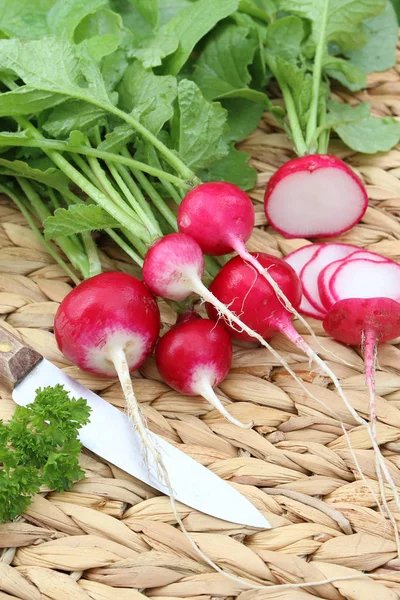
(115, 140)
(139, 16)
(25, 18)
(192, 24)
(360, 131)
(151, 51)
(63, 74)
(396, 6)
(222, 67)
(51, 177)
(379, 53)
(243, 118)
(346, 73)
(170, 8)
(284, 38)
(233, 168)
(342, 20)
(77, 219)
(72, 114)
(65, 15)
(113, 68)
(198, 127)
(149, 97)
(26, 101)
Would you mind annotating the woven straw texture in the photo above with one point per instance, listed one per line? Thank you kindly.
(113, 537)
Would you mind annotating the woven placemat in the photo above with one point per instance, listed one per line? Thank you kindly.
(114, 538)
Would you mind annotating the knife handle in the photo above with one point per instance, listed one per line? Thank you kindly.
(16, 359)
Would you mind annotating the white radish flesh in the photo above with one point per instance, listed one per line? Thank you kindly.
(297, 260)
(311, 270)
(366, 279)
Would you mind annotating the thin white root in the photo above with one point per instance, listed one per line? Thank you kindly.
(203, 388)
(200, 289)
(121, 366)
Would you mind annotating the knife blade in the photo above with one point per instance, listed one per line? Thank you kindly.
(111, 436)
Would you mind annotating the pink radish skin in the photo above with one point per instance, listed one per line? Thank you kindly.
(366, 279)
(217, 215)
(297, 259)
(103, 316)
(248, 294)
(108, 325)
(194, 357)
(367, 322)
(314, 196)
(322, 258)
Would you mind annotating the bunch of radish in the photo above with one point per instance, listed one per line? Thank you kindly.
(356, 293)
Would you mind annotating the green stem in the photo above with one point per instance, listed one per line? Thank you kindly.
(317, 72)
(85, 185)
(167, 185)
(135, 190)
(249, 9)
(124, 246)
(92, 254)
(53, 253)
(156, 199)
(69, 247)
(168, 154)
(295, 128)
(60, 146)
(150, 224)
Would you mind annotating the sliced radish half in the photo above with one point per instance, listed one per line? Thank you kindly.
(309, 275)
(361, 278)
(316, 195)
(297, 260)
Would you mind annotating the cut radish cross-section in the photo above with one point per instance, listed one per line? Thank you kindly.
(297, 260)
(366, 279)
(316, 195)
(310, 272)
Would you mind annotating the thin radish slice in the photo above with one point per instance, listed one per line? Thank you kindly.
(366, 279)
(324, 279)
(315, 195)
(297, 259)
(327, 273)
(309, 274)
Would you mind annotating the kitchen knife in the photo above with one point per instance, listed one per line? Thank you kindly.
(111, 436)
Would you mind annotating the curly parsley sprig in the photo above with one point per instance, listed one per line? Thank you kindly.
(40, 446)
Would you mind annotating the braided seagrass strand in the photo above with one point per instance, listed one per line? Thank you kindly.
(113, 537)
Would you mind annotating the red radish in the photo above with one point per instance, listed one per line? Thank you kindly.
(193, 357)
(366, 279)
(220, 217)
(108, 325)
(173, 268)
(314, 195)
(366, 322)
(297, 259)
(326, 254)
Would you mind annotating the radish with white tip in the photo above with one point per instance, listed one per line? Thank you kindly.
(194, 357)
(316, 195)
(108, 325)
